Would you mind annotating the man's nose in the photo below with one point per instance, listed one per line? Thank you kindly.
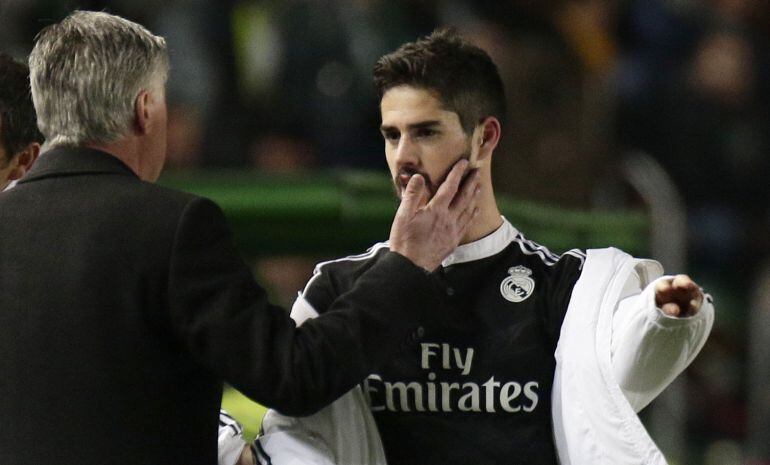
(407, 152)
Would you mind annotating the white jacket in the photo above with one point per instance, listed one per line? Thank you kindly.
(606, 370)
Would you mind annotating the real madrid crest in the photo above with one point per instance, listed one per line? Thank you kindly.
(518, 286)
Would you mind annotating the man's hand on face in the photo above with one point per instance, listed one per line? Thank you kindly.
(678, 296)
(427, 230)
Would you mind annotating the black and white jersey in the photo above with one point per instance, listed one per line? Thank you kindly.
(230, 440)
(474, 387)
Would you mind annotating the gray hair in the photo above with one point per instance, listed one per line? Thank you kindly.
(86, 72)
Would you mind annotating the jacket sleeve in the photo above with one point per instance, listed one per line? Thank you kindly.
(650, 348)
(343, 432)
(223, 319)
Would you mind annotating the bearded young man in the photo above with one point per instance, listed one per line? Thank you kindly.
(537, 355)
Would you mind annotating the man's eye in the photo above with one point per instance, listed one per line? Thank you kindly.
(426, 133)
(390, 135)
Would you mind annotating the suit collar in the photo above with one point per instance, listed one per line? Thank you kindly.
(68, 161)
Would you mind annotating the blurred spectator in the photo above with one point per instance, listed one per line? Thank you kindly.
(554, 58)
(284, 276)
(322, 103)
(689, 91)
(198, 35)
(714, 118)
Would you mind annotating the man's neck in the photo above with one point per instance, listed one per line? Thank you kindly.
(488, 219)
(123, 150)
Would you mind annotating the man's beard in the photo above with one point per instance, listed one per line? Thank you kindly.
(404, 174)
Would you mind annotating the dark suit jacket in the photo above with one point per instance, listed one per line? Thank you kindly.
(123, 307)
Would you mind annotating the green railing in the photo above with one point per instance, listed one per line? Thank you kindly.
(344, 212)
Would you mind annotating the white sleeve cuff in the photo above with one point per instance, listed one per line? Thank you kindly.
(650, 348)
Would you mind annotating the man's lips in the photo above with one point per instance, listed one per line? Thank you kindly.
(403, 179)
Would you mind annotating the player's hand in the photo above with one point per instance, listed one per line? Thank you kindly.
(678, 296)
(247, 457)
(426, 232)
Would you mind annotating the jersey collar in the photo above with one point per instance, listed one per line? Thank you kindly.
(487, 246)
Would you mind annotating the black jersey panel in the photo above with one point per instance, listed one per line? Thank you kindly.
(476, 387)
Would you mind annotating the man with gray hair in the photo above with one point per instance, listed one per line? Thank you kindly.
(124, 306)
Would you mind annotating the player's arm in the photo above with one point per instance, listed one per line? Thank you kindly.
(657, 333)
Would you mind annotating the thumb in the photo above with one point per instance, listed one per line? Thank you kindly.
(413, 196)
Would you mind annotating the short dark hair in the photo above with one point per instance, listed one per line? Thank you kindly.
(18, 124)
(464, 76)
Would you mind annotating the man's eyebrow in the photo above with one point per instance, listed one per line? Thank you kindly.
(420, 125)
(424, 124)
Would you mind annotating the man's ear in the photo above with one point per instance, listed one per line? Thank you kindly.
(485, 138)
(490, 133)
(23, 161)
(142, 111)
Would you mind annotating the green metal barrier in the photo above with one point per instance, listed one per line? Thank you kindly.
(343, 212)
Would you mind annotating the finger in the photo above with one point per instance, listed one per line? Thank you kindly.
(679, 296)
(694, 306)
(664, 284)
(678, 285)
(467, 192)
(466, 215)
(465, 206)
(446, 192)
(466, 219)
(412, 198)
(662, 292)
(686, 289)
(683, 282)
(696, 300)
(671, 309)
